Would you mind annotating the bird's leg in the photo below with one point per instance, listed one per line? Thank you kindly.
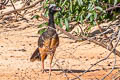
(51, 58)
(42, 60)
(42, 66)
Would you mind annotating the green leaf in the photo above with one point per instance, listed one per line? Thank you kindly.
(81, 18)
(94, 23)
(99, 8)
(42, 30)
(60, 2)
(71, 6)
(80, 10)
(46, 13)
(63, 3)
(35, 16)
(89, 28)
(95, 15)
(91, 19)
(61, 21)
(88, 16)
(115, 2)
(89, 6)
(80, 2)
(43, 24)
(66, 24)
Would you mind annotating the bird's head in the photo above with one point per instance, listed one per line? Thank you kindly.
(53, 8)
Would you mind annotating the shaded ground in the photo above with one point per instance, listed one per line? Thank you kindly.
(18, 40)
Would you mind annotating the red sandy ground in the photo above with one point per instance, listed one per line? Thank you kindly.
(18, 40)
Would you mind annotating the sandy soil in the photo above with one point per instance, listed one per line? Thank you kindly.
(18, 40)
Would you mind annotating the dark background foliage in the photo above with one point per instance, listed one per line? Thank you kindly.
(84, 11)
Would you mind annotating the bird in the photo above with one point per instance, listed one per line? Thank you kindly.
(48, 40)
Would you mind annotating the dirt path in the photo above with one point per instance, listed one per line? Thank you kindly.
(18, 40)
(16, 47)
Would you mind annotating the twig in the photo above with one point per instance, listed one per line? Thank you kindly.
(105, 36)
(117, 77)
(86, 26)
(105, 32)
(82, 38)
(61, 69)
(100, 29)
(4, 2)
(92, 66)
(114, 56)
(112, 67)
(113, 50)
(114, 77)
(26, 3)
(62, 30)
(82, 32)
(103, 45)
(13, 5)
(114, 7)
(14, 8)
(12, 11)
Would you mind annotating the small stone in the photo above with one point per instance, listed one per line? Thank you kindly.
(108, 65)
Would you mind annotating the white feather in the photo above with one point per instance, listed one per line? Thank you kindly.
(52, 5)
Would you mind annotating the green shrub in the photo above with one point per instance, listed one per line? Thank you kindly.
(82, 11)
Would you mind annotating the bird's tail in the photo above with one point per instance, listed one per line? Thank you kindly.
(35, 56)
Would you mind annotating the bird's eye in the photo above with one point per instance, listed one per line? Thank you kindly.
(53, 8)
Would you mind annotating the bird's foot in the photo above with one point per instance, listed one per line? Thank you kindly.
(49, 73)
(43, 71)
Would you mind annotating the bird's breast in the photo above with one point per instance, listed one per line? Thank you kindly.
(50, 45)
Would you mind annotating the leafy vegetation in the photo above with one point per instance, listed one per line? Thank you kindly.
(84, 11)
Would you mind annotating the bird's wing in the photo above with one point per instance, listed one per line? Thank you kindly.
(44, 42)
(48, 41)
(54, 41)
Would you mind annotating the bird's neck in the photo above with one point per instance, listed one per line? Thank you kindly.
(51, 20)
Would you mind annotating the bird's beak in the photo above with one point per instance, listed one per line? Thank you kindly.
(57, 9)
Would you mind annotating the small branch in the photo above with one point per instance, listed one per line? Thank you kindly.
(103, 45)
(13, 5)
(92, 66)
(61, 69)
(114, 7)
(12, 11)
(111, 8)
(118, 77)
(94, 41)
(105, 36)
(113, 51)
(27, 2)
(114, 56)
(4, 2)
(105, 32)
(100, 29)
(82, 32)
(14, 8)
(62, 30)
(112, 67)
(82, 38)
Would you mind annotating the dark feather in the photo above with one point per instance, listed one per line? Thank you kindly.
(35, 56)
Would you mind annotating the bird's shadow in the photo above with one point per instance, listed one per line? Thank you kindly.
(71, 71)
(77, 71)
